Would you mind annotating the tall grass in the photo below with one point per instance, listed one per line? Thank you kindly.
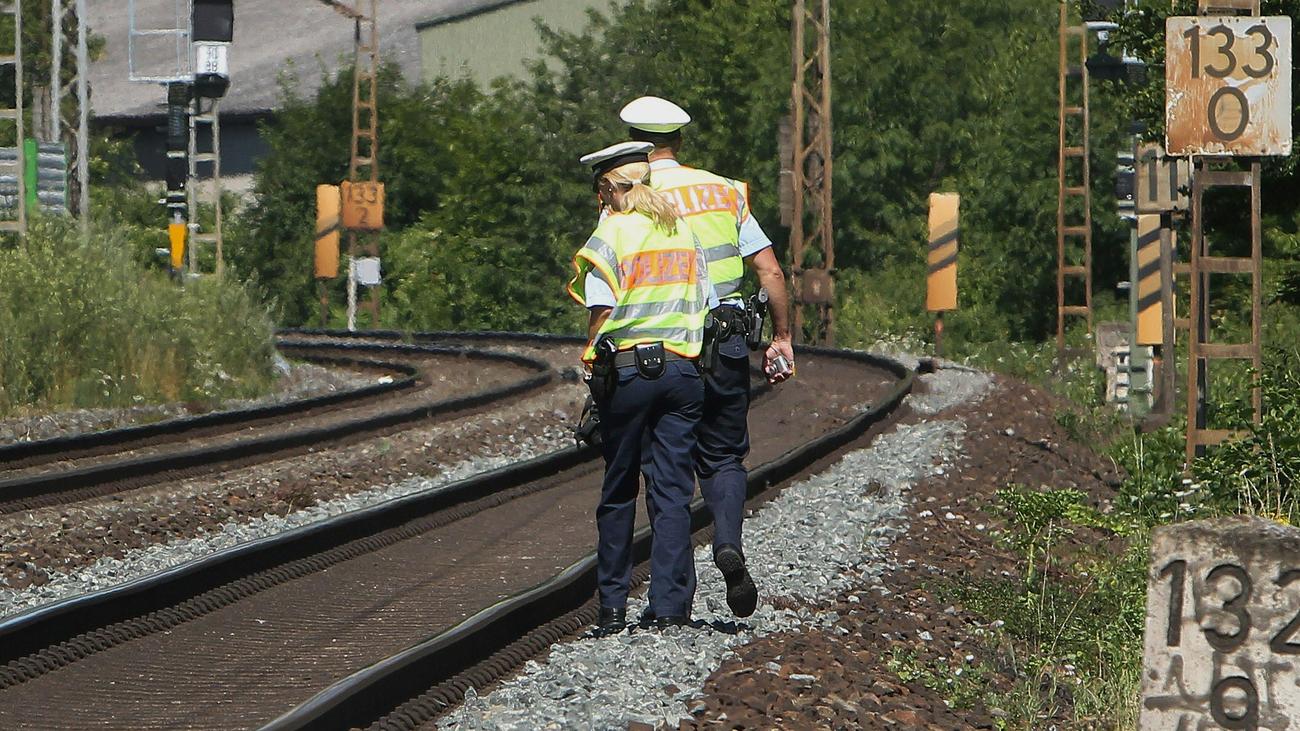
(84, 325)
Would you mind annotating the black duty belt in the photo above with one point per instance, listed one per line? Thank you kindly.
(734, 317)
(628, 358)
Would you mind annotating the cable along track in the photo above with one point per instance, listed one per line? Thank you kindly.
(237, 638)
(197, 445)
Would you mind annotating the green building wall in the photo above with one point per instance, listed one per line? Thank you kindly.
(497, 41)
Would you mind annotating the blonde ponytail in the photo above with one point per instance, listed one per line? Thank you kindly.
(638, 196)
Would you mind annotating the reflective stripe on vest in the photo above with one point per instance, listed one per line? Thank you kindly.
(656, 282)
(712, 205)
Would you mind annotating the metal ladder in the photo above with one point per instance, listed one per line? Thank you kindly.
(15, 219)
(1210, 172)
(364, 162)
(1071, 150)
(205, 126)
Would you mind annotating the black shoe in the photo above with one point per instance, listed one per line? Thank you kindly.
(669, 621)
(611, 621)
(742, 595)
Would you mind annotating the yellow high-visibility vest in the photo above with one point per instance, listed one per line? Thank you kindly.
(658, 282)
(714, 206)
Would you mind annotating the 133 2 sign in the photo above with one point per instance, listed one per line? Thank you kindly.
(363, 205)
(1228, 86)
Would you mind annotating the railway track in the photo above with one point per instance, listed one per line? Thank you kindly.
(237, 638)
(58, 471)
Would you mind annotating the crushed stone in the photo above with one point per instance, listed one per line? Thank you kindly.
(817, 538)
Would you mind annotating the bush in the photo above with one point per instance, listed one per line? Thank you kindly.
(85, 326)
(1256, 475)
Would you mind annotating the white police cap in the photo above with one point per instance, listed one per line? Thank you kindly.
(652, 114)
(613, 156)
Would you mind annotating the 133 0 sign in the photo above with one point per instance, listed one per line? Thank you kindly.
(1228, 86)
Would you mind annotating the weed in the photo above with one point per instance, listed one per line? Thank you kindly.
(1071, 623)
(1257, 474)
(86, 326)
(962, 683)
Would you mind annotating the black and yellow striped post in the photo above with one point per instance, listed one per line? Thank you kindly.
(1150, 281)
(328, 225)
(941, 272)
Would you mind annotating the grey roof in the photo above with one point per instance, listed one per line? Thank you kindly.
(268, 34)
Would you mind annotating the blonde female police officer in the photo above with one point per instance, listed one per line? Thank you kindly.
(644, 279)
(717, 210)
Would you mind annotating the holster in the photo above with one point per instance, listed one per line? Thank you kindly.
(756, 313)
(604, 375)
(650, 360)
(712, 339)
(588, 429)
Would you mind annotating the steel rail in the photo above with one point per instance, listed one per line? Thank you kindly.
(62, 447)
(45, 488)
(46, 638)
(371, 693)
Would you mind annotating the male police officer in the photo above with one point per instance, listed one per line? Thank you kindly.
(717, 210)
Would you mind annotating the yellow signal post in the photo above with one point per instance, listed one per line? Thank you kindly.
(328, 224)
(1150, 303)
(941, 276)
(327, 231)
(176, 231)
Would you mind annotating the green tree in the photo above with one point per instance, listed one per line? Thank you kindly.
(928, 96)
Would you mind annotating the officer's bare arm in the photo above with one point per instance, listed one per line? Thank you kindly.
(769, 273)
(771, 277)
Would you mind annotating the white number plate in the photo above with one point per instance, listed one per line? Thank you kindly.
(1228, 86)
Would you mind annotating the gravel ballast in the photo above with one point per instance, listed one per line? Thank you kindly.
(817, 539)
(137, 563)
(950, 384)
(296, 381)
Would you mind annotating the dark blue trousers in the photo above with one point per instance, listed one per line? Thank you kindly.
(723, 440)
(651, 425)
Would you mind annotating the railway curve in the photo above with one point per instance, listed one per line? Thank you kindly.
(84, 653)
(253, 435)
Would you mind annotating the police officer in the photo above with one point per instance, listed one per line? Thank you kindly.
(644, 280)
(718, 212)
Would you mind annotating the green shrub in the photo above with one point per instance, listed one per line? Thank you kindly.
(1070, 631)
(85, 325)
(1256, 475)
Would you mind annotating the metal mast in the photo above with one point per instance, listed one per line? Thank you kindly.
(1213, 172)
(364, 164)
(205, 133)
(78, 92)
(812, 242)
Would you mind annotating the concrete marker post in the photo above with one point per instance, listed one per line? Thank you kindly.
(1222, 626)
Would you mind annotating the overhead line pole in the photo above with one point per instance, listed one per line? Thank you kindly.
(365, 138)
(83, 120)
(811, 170)
(363, 164)
(59, 92)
